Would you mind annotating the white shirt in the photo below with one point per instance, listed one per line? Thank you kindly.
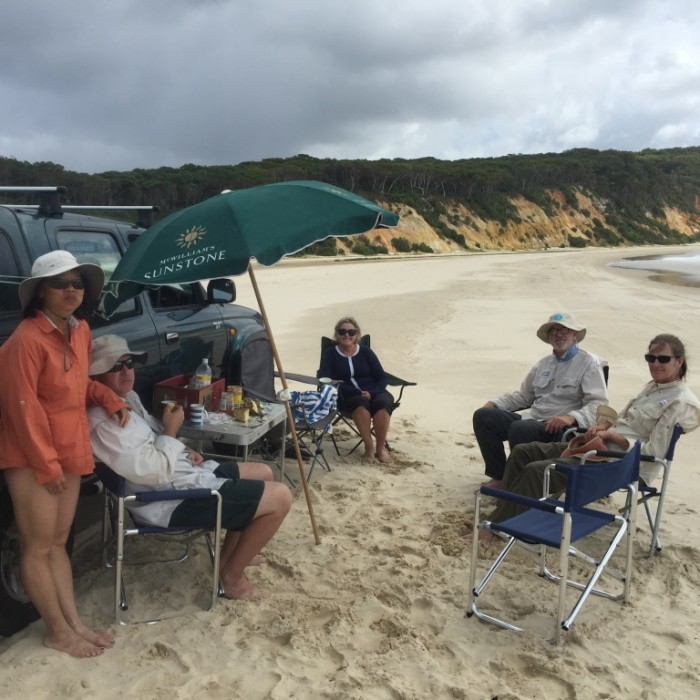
(575, 387)
(650, 417)
(148, 460)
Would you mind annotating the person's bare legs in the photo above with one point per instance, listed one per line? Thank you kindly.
(363, 421)
(255, 470)
(44, 522)
(246, 470)
(381, 428)
(272, 509)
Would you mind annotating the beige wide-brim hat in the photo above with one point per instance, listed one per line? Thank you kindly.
(107, 349)
(566, 320)
(53, 264)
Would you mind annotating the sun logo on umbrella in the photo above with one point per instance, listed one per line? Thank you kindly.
(191, 236)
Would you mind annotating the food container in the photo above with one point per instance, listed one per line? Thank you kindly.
(176, 389)
(236, 395)
(225, 401)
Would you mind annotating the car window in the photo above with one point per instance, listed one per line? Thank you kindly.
(95, 247)
(9, 298)
(100, 248)
(171, 296)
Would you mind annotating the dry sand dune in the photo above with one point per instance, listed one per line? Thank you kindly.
(377, 609)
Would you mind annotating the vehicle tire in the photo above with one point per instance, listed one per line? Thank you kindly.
(16, 611)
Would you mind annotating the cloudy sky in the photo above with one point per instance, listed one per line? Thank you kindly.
(99, 85)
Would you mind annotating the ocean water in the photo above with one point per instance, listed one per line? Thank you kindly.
(683, 270)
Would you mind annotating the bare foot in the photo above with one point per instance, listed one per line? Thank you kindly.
(368, 457)
(494, 484)
(486, 535)
(243, 589)
(73, 644)
(384, 456)
(101, 638)
(257, 560)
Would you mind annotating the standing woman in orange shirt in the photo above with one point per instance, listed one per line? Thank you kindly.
(44, 436)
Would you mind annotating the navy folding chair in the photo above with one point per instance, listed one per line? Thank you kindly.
(115, 528)
(648, 492)
(311, 433)
(550, 523)
(345, 417)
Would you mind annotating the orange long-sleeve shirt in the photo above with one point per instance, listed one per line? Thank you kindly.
(43, 420)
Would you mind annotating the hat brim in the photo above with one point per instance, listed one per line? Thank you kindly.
(92, 274)
(543, 331)
(104, 364)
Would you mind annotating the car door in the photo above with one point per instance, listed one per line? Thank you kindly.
(188, 328)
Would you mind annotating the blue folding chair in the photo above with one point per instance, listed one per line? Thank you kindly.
(115, 529)
(648, 492)
(550, 523)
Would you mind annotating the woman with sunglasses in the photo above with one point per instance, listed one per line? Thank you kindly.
(45, 439)
(362, 392)
(649, 417)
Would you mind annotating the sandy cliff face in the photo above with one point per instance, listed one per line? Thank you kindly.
(535, 230)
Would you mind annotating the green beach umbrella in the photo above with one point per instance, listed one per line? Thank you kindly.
(221, 235)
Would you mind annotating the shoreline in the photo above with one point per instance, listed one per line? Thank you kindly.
(662, 252)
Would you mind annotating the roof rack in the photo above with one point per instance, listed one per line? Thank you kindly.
(145, 213)
(49, 201)
(50, 204)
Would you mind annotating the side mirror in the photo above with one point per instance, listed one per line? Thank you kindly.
(221, 291)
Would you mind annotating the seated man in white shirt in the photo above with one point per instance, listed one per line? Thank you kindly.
(563, 389)
(148, 455)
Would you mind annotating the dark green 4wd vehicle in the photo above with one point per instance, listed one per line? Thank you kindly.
(177, 325)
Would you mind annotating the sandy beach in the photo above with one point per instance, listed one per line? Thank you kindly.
(377, 609)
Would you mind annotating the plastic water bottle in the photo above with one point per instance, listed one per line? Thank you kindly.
(202, 376)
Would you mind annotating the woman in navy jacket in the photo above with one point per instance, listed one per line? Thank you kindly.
(362, 392)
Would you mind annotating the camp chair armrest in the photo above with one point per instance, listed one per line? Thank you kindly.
(302, 378)
(617, 454)
(393, 380)
(261, 396)
(571, 431)
(546, 505)
(171, 495)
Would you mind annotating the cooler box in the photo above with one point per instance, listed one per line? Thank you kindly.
(175, 389)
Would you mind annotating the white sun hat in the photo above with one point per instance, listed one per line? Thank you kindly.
(566, 320)
(107, 349)
(53, 264)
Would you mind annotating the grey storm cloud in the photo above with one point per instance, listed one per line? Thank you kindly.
(147, 83)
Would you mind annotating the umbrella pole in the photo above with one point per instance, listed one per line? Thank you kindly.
(290, 417)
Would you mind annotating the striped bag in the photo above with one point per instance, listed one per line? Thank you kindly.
(316, 404)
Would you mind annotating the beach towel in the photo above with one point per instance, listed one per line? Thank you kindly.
(316, 404)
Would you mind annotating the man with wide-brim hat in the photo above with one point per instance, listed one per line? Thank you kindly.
(149, 456)
(562, 390)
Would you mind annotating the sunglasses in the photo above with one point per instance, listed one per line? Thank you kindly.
(347, 331)
(61, 283)
(663, 359)
(129, 364)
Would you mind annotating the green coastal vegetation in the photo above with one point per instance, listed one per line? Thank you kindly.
(606, 198)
